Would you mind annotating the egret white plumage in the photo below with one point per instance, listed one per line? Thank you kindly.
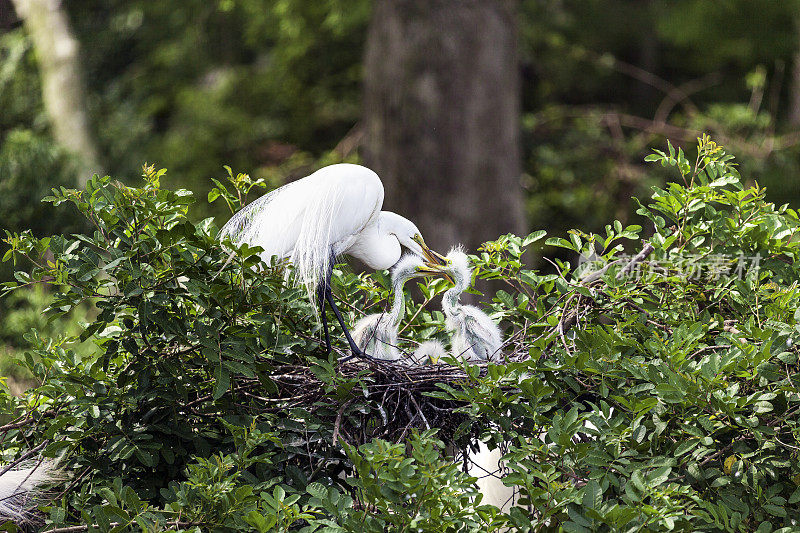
(429, 352)
(486, 465)
(376, 334)
(336, 210)
(475, 336)
(20, 487)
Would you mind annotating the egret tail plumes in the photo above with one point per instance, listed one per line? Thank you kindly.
(21, 488)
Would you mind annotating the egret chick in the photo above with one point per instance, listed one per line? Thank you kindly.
(475, 336)
(376, 334)
(311, 221)
(429, 352)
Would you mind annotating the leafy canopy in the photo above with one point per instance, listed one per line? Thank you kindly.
(651, 390)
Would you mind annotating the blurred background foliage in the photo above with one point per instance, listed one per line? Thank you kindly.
(273, 87)
(254, 83)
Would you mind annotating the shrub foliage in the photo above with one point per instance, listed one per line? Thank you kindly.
(643, 390)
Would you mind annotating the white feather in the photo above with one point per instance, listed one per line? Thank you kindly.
(376, 334)
(308, 219)
(21, 488)
(486, 465)
(336, 210)
(475, 336)
(428, 352)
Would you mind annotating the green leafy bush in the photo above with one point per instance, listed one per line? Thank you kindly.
(24, 313)
(643, 388)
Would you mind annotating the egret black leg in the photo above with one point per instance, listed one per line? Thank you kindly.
(353, 348)
(321, 305)
(326, 294)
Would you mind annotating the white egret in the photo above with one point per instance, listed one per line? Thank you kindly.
(19, 489)
(376, 334)
(475, 336)
(336, 210)
(429, 352)
(486, 465)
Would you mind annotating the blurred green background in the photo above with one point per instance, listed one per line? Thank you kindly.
(274, 88)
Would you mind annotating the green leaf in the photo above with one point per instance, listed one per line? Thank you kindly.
(774, 510)
(638, 481)
(222, 381)
(533, 237)
(592, 495)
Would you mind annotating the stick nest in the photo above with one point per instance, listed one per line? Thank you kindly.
(386, 399)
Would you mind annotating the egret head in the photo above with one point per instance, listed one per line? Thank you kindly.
(458, 268)
(429, 352)
(409, 236)
(412, 266)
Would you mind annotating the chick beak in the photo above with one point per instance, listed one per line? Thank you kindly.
(429, 269)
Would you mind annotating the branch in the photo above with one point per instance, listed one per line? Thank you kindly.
(76, 529)
(638, 258)
(568, 320)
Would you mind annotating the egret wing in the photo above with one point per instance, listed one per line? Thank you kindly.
(306, 219)
(483, 332)
(240, 227)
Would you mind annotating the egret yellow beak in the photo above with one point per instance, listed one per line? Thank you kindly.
(432, 257)
(429, 269)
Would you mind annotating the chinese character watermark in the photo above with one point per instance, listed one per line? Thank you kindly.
(709, 267)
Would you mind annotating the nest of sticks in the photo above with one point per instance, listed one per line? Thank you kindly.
(388, 401)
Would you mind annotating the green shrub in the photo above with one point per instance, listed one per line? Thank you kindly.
(24, 312)
(651, 389)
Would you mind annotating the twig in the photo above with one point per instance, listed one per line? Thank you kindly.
(638, 258)
(427, 424)
(682, 92)
(420, 308)
(709, 348)
(76, 529)
(597, 274)
(338, 422)
(26, 421)
(24, 456)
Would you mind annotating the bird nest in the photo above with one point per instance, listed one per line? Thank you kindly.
(384, 399)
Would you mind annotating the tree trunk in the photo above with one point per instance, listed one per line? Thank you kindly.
(7, 16)
(794, 82)
(794, 97)
(441, 114)
(62, 84)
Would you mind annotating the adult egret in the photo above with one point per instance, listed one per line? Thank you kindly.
(311, 221)
(376, 334)
(19, 489)
(475, 336)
